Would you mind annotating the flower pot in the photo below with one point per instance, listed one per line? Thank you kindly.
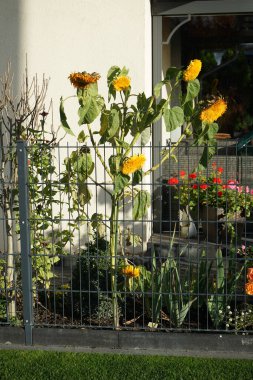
(217, 225)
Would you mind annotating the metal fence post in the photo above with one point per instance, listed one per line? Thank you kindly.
(26, 262)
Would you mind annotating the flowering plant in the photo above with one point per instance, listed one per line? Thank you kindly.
(123, 122)
(249, 284)
(197, 189)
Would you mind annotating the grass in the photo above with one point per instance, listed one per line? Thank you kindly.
(48, 365)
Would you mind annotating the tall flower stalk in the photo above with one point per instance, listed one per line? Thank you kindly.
(124, 122)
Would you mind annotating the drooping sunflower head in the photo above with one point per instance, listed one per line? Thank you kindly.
(131, 164)
(192, 71)
(214, 111)
(82, 80)
(121, 83)
(131, 271)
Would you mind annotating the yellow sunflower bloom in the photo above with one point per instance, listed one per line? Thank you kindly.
(131, 271)
(121, 83)
(193, 70)
(82, 80)
(212, 113)
(249, 288)
(131, 164)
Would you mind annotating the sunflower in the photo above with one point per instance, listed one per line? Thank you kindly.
(250, 274)
(131, 271)
(249, 288)
(214, 111)
(131, 164)
(193, 70)
(121, 83)
(82, 80)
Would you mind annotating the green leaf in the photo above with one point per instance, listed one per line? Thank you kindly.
(63, 118)
(110, 122)
(188, 110)
(113, 72)
(192, 91)
(142, 202)
(90, 109)
(212, 130)
(157, 89)
(98, 224)
(121, 180)
(208, 152)
(113, 122)
(92, 89)
(82, 164)
(172, 73)
(137, 177)
(124, 71)
(84, 194)
(145, 136)
(123, 144)
(174, 118)
(84, 102)
(81, 138)
(114, 163)
(145, 114)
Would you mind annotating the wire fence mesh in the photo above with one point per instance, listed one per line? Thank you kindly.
(185, 263)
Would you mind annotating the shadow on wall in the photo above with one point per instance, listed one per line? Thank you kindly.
(10, 41)
(10, 50)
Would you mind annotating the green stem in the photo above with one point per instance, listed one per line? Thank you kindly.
(97, 152)
(100, 185)
(113, 254)
(168, 155)
(131, 144)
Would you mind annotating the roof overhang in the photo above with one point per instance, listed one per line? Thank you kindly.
(204, 7)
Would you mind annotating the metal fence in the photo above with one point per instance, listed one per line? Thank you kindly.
(185, 264)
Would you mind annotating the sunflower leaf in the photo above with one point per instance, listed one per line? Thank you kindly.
(63, 118)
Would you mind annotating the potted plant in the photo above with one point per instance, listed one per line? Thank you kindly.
(222, 205)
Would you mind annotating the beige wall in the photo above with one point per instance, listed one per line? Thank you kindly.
(62, 36)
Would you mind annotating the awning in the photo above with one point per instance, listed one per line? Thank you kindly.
(204, 7)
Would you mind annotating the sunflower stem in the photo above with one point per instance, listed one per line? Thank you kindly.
(168, 155)
(98, 153)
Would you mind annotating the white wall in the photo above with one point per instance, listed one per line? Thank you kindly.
(62, 36)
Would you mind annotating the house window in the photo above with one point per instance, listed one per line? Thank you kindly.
(220, 33)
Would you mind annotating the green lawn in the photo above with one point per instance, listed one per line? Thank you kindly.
(47, 365)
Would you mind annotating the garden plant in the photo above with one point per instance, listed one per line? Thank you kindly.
(124, 123)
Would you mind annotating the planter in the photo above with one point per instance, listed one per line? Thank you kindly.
(217, 225)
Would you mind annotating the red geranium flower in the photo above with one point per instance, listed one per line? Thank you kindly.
(204, 186)
(182, 173)
(195, 186)
(173, 181)
(193, 175)
(220, 193)
(220, 170)
(217, 180)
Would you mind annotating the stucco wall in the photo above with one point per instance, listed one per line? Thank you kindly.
(61, 36)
